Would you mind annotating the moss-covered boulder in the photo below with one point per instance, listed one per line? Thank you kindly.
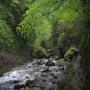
(41, 53)
(61, 62)
(70, 53)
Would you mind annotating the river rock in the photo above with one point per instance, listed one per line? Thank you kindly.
(62, 67)
(46, 70)
(35, 88)
(42, 76)
(16, 87)
(29, 83)
(16, 81)
(50, 63)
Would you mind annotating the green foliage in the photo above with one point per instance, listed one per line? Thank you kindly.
(35, 27)
(38, 25)
(42, 24)
(12, 11)
(5, 2)
(5, 14)
(6, 36)
(60, 39)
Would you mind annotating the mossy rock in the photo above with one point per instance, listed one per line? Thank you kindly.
(71, 52)
(41, 53)
(61, 61)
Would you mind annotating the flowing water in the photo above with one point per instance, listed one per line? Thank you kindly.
(35, 75)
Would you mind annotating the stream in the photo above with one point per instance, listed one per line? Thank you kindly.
(40, 74)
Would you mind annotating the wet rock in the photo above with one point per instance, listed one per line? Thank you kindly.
(16, 81)
(46, 70)
(39, 62)
(26, 77)
(52, 74)
(16, 87)
(42, 76)
(29, 83)
(52, 88)
(62, 67)
(50, 63)
(36, 88)
(54, 82)
(55, 77)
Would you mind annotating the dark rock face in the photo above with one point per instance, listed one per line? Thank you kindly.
(46, 70)
(72, 78)
(16, 81)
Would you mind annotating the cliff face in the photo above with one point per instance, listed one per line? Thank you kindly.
(73, 77)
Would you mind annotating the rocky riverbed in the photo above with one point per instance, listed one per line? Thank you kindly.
(45, 74)
(41, 74)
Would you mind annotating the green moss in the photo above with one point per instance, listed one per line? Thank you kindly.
(18, 60)
(40, 53)
(71, 52)
(7, 39)
(61, 62)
